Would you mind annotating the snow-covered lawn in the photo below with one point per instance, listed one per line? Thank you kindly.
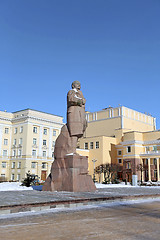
(13, 186)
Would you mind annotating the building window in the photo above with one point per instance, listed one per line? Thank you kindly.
(14, 142)
(21, 129)
(154, 148)
(45, 131)
(5, 141)
(12, 177)
(6, 130)
(128, 165)
(14, 153)
(15, 130)
(146, 161)
(52, 154)
(97, 144)
(5, 153)
(146, 174)
(119, 161)
(20, 141)
(35, 129)
(128, 149)
(155, 161)
(33, 165)
(44, 165)
(19, 165)
(13, 164)
(119, 152)
(53, 143)
(44, 153)
(54, 132)
(4, 164)
(147, 149)
(19, 152)
(18, 177)
(34, 141)
(91, 145)
(34, 153)
(44, 142)
(3, 176)
(155, 173)
(86, 146)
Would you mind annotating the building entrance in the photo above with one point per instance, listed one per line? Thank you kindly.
(43, 175)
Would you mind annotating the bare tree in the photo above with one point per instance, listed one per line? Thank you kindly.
(110, 172)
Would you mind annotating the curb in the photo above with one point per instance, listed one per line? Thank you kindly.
(37, 207)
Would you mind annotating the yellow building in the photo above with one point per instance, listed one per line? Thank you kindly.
(119, 136)
(27, 141)
(124, 137)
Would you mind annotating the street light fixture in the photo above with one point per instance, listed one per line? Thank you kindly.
(94, 161)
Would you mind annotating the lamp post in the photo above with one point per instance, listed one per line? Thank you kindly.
(94, 161)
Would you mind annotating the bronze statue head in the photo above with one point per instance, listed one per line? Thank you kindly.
(76, 84)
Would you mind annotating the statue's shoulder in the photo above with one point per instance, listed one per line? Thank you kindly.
(71, 92)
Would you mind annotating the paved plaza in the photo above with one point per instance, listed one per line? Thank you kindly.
(23, 201)
(126, 222)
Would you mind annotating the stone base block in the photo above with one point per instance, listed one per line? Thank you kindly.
(71, 176)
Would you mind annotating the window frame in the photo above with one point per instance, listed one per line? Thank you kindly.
(54, 133)
(19, 165)
(97, 144)
(33, 165)
(44, 155)
(35, 130)
(91, 145)
(5, 141)
(21, 129)
(13, 165)
(45, 131)
(129, 147)
(86, 145)
(4, 165)
(6, 130)
(5, 152)
(35, 152)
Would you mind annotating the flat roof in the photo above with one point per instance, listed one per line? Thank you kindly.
(37, 111)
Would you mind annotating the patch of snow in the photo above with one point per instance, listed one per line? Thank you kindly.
(122, 184)
(100, 185)
(13, 186)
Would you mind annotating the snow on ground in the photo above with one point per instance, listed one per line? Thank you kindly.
(16, 186)
(122, 184)
(100, 185)
(13, 186)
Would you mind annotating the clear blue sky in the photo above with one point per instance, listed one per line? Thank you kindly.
(111, 46)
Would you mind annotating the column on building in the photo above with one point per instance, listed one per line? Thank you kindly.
(142, 162)
(158, 169)
(149, 169)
